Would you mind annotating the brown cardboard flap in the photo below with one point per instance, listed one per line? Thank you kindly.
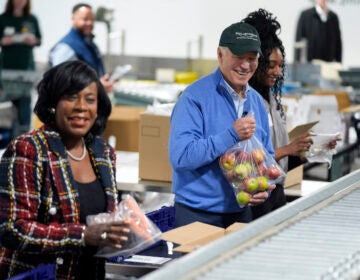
(197, 234)
(351, 109)
(294, 177)
(200, 240)
(192, 233)
(187, 248)
(234, 227)
(301, 129)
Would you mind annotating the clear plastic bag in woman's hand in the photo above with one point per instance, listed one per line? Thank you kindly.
(143, 232)
(250, 169)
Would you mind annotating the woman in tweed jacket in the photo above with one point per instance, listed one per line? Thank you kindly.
(52, 177)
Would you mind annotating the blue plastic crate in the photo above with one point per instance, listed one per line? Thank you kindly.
(164, 217)
(42, 272)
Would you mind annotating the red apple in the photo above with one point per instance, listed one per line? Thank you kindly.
(242, 156)
(261, 169)
(242, 170)
(258, 155)
(230, 175)
(273, 172)
(263, 183)
(251, 184)
(227, 161)
(243, 198)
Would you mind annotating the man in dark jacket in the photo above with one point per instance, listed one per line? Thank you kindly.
(320, 27)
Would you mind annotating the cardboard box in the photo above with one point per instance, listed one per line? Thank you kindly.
(153, 148)
(301, 129)
(342, 97)
(294, 177)
(351, 109)
(197, 234)
(123, 123)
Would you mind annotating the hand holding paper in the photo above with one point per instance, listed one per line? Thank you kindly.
(322, 149)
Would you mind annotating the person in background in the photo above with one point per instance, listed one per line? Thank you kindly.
(78, 44)
(321, 29)
(207, 121)
(54, 176)
(268, 81)
(19, 34)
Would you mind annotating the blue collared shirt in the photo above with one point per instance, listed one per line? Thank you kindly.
(238, 102)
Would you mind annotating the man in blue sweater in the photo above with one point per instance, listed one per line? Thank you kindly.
(78, 44)
(208, 119)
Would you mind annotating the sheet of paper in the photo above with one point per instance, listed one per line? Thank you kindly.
(147, 259)
(119, 72)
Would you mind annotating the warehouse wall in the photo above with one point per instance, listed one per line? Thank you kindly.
(166, 28)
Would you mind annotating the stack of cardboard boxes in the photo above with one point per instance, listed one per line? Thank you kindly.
(135, 130)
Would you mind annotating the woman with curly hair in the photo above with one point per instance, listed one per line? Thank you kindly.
(268, 80)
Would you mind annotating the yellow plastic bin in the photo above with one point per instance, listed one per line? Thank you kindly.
(186, 77)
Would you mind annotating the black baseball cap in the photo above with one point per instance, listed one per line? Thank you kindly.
(240, 38)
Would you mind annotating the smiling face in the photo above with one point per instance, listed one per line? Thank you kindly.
(75, 114)
(83, 20)
(237, 70)
(276, 63)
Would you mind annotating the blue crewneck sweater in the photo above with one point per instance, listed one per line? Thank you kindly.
(201, 131)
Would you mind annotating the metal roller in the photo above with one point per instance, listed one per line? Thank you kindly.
(314, 237)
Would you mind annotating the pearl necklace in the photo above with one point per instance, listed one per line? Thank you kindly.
(83, 154)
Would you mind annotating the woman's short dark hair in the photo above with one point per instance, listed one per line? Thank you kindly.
(65, 79)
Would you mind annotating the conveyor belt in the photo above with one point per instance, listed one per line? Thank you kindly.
(316, 237)
(18, 83)
(21, 75)
(143, 93)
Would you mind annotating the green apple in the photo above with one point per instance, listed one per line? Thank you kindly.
(249, 167)
(251, 184)
(243, 198)
(242, 170)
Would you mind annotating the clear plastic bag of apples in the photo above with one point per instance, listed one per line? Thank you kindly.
(250, 169)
